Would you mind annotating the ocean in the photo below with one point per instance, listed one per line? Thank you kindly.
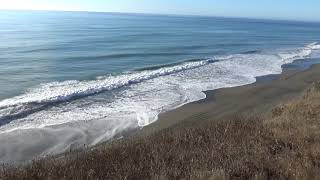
(69, 79)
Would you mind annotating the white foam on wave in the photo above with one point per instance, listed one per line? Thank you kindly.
(290, 55)
(63, 91)
(148, 93)
(314, 46)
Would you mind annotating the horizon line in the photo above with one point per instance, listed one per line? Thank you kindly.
(168, 14)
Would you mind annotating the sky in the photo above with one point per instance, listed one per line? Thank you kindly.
(271, 9)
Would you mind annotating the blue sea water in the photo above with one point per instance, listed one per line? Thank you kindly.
(74, 78)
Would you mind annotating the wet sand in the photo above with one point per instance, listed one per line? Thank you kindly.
(249, 99)
(257, 98)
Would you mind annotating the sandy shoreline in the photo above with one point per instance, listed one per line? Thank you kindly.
(254, 98)
(281, 146)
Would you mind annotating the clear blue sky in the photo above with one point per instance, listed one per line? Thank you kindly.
(279, 9)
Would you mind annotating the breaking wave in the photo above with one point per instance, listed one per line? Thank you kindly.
(176, 85)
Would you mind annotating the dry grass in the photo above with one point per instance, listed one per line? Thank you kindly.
(284, 146)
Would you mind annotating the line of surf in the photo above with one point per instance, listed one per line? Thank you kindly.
(64, 91)
(68, 90)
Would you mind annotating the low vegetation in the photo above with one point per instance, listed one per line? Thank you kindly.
(284, 145)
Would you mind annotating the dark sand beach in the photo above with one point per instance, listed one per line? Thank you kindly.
(257, 98)
(235, 133)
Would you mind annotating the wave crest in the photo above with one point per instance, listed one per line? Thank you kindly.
(56, 92)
